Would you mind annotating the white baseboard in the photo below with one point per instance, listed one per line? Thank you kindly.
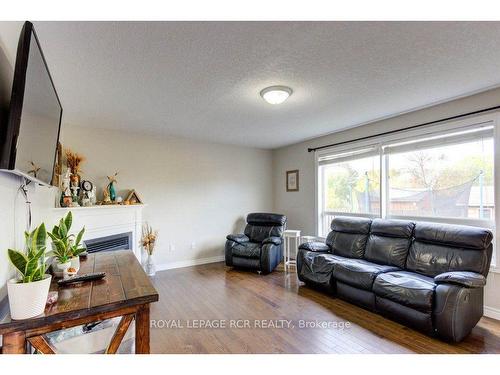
(189, 263)
(491, 312)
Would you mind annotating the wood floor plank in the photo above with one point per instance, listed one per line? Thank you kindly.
(215, 292)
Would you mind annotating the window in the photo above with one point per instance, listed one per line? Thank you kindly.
(449, 177)
(445, 174)
(350, 184)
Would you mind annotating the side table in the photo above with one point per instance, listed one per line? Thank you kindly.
(289, 237)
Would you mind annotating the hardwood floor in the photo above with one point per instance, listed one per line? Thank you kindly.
(212, 293)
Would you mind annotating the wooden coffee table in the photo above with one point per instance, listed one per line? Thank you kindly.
(125, 291)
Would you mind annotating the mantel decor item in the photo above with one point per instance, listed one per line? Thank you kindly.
(57, 166)
(132, 198)
(111, 188)
(87, 193)
(73, 162)
(292, 180)
(66, 195)
(28, 292)
(148, 242)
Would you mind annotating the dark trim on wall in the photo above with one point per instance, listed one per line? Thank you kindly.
(407, 128)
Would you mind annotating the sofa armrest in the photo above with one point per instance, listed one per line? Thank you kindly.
(274, 240)
(315, 246)
(461, 278)
(239, 238)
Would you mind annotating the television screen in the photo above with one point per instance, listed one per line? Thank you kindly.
(35, 113)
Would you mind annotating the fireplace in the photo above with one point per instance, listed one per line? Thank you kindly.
(107, 228)
(121, 241)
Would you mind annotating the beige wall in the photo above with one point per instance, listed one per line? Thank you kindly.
(195, 192)
(299, 206)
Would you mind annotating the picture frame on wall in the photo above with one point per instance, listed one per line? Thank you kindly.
(292, 180)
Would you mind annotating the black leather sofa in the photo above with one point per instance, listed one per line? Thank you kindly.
(425, 275)
(260, 247)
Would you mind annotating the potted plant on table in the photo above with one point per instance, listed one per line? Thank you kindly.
(28, 292)
(66, 248)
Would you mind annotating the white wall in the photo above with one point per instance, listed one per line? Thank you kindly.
(299, 206)
(195, 191)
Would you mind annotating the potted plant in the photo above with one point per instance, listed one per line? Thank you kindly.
(28, 292)
(66, 248)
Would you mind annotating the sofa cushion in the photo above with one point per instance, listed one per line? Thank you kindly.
(348, 236)
(247, 250)
(358, 272)
(347, 224)
(269, 219)
(263, 225)
(389, 242)
(315, 246)
(348, 245)
(461, 278)
(316, 267)
(258, 233)
(460, 236)
(432, 259)
(392, 228)
(406, 288)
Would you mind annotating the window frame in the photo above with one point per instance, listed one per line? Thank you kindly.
(379, 142)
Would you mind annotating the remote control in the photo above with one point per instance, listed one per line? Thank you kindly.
(82, 278)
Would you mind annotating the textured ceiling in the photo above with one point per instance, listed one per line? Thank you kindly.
(202, 79)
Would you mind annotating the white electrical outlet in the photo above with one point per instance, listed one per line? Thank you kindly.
(172, 247)
(193, 245)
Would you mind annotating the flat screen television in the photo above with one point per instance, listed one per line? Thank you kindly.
(29, 138)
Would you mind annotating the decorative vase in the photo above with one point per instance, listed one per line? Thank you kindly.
(27, 300)
(149, 266)
(112, 191)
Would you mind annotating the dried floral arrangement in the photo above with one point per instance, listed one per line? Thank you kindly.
(73, 161)
(149, 238)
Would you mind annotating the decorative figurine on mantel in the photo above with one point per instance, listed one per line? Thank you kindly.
(66, 198)
(74, 189)
(111, 188)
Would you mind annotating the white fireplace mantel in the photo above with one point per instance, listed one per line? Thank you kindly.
(106, 220)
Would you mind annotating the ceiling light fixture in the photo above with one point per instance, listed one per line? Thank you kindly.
(276, 94)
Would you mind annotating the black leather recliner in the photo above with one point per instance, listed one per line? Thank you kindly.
(261, 246)
(425, 275)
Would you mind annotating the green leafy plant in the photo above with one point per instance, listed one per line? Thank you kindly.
(65, 245)
(31, 264)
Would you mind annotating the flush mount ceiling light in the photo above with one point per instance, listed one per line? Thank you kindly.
(276, 94)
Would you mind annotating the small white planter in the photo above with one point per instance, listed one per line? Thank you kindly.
(75, 263)
(27, 300)
(63, 266)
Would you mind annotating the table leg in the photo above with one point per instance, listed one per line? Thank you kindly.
(14, 343)
(142, 330)
(287, 245)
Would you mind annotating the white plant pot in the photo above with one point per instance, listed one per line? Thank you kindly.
(27, 300)
(75, 263)
(63, 266)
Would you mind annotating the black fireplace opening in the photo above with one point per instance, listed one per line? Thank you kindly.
(121, 241)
